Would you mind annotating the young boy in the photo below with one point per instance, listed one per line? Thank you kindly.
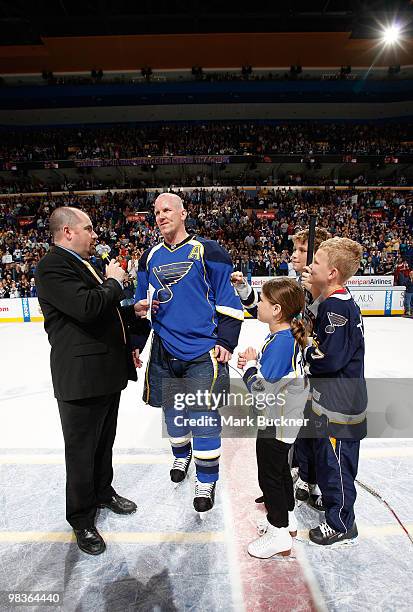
(250, 297)
(303, 461)
(335, 362)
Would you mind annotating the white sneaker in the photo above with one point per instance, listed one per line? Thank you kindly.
(275, 541)
(263, 524)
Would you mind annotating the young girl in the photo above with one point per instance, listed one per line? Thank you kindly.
(276, 379)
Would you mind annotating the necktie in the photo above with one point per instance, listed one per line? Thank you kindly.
(96, 275)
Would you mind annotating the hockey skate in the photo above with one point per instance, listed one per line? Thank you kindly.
(275, 541)
(327, 536)
(302, 490)
(180, 468)
(316, 499)
(263, 524)
(204, 495)
(316, 502)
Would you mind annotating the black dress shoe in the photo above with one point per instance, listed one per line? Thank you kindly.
(90, 541)
(120, 505)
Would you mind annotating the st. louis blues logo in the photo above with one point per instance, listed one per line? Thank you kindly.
(336, 320)
(170, 274)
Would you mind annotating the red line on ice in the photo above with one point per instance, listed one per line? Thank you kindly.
(268, 584)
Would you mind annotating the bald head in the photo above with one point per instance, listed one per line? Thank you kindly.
(170, 198)
(72, 229)
(64, 216)
(170, 216)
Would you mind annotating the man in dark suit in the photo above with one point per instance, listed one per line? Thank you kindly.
(91, 362)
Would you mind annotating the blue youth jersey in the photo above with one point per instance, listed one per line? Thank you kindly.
(278, 381)
(199, 307)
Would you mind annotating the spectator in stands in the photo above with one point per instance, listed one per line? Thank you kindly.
(4, 292)
(32, 288)
(113, 142)
(283, 265)
(7, 257)
(14, 290)
(407, 281)
(369, 268)
(402, 270)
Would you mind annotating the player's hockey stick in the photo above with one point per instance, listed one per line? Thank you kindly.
(311, 239)
(380, 498)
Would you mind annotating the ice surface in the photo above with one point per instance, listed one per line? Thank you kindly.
(163, 557)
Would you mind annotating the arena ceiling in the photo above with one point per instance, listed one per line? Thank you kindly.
(24, 22)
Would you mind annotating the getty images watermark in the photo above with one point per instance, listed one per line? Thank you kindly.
(263, 406)
(389, 411)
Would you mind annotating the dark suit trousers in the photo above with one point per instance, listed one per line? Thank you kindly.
(89, 429)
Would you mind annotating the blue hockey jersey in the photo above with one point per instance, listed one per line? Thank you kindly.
(199, 307)
(279, 384)
(335, 363)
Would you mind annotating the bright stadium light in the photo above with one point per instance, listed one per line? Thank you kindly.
(391, 35)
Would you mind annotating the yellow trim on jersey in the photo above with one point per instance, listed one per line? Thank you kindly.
(267, 342)
(231, 312)
(333, 443)
(282, 420)
(351, 420)
(178, 247)
(294, 359)
(147, 374)
(215, 365)
(202, 253)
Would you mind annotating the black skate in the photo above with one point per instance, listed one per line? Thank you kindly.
(327, 536)
(180, 468)
(316, 502)
(302, 490)
(204, 495)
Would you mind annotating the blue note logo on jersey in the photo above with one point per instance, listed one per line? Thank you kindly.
(335, 320)
(170, 274)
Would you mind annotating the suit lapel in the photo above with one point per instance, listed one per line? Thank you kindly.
(78, 263)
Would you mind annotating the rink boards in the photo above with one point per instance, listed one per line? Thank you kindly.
(373, 301)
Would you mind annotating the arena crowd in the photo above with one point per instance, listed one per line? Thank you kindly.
(255, 229)
(125, 141)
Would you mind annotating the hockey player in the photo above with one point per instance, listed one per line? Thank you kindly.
(276, 379)
(335, 362)
(196, 324)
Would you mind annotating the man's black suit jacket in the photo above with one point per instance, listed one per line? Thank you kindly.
(89, 356)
